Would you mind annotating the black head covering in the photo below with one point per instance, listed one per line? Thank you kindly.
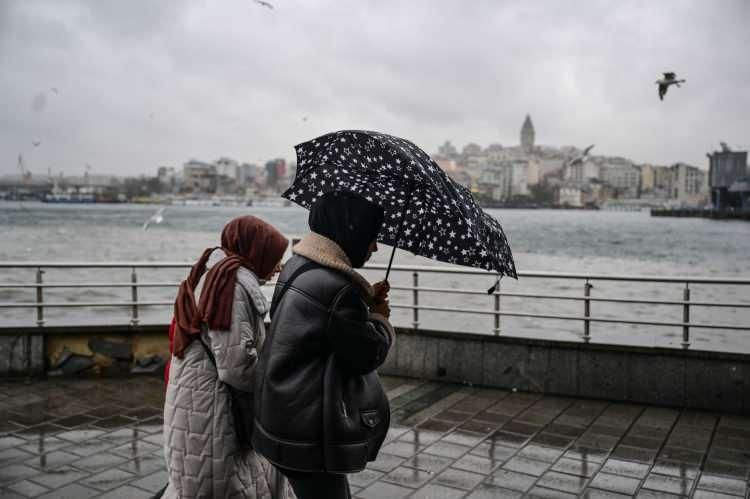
(349, 220)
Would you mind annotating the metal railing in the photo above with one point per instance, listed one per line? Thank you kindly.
(494, 310)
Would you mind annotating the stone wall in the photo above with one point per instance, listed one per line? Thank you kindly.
(657, 376)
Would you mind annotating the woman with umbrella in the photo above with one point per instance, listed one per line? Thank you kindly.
(320, 409)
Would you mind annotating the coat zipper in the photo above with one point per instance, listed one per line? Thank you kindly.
(343, 409)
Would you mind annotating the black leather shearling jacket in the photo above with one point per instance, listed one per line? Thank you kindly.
(319, 404)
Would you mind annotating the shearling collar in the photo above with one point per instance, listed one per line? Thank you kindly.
(326, 252)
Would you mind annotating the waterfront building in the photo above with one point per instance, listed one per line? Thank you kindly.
(725, 168)
(569, 195)
(227, 167)
(471, 149)
(447, 150)
(527, 135)
(623, 175)
(199, 176)
(687, 184)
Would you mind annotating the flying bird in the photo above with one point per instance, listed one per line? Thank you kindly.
(264, 4)
(304, 118)
(36, 143)
(54, 90)
(156, 218)
(664, 83)
(582, 157)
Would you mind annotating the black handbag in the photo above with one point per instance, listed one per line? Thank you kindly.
(240, 406)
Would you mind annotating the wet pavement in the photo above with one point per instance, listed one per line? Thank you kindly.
(84, 438)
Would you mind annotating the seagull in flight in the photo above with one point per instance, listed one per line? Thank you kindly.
(262, 3)
(36, 143)
(156, 218)
(582, 157)
(54, 90)
(664, 83)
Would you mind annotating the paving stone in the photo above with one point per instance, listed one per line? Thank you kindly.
(13, 454)
(541, 453)
(587, 454)
(468, 439)
(152, 482)
(27, 488)
(670, 484)
(634, 454)
(72, 491)
(625, 468)
(408, 477)
(488, 491)
(708, 494)
(544, 493)
(459, 479)
(512, 480)
(99, 462)
(364, 478)
(402, 449)
(128, 492)
(602, 494)
(477, 464)
(59, 477)
(13, 472)
(525, 465)
(492, 451)
(383, 490)
(428, 462)
(447, 449)
(385, 462)
(561, 481)
(576, 467)
(655, 494)
(722, 484)
(435, 491)
(675, 468)
(615, 483)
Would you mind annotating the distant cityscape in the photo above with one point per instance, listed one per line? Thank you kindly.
(526, 175)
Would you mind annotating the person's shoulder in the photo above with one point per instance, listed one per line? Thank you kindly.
(313, 278)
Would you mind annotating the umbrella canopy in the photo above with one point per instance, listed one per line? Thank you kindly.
(426, 212)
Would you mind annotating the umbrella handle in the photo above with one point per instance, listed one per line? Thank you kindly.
(390, 262)
(393, 251)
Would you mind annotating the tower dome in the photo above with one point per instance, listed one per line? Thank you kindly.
(527, 135)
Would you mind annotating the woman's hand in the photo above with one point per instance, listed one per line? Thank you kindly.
(381, 289)
(381, 308)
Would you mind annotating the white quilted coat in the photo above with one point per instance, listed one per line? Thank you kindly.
(203, 458)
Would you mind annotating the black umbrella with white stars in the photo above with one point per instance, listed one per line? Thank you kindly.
(426, 212)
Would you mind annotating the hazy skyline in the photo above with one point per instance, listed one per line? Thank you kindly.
(144, 83)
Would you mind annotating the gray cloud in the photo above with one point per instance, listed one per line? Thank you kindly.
(146, 83)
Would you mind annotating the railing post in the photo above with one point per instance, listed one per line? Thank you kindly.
(39, 298)
(134, 296)
(496, 329)
(415, 300)
(587, 311)
(686, 317)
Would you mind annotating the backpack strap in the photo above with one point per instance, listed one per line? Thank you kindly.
(301, 270)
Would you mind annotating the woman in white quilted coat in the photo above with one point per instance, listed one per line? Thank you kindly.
(205, 458)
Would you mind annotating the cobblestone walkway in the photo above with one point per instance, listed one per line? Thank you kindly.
(102, 438)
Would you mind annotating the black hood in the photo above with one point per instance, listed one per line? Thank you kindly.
(349, 220)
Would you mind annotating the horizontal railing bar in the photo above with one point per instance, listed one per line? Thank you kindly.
(444, 269)
(86, 304)
(92, 285)
(464, 291)
(576, 318)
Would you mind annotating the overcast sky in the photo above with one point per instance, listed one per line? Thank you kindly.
(143, 83)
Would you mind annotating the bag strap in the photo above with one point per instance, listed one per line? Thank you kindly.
(301, 270)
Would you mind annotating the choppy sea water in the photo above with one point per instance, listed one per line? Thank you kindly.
(592, 242)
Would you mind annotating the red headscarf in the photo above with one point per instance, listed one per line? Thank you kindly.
(248, 242)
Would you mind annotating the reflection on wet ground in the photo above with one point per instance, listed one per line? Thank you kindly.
(102, 438)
